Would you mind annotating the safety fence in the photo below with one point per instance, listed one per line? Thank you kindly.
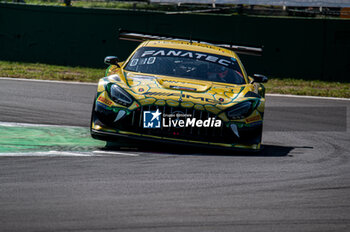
(300, 8)
(292, 47)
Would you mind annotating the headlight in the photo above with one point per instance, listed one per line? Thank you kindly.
(240, 110)
(120, 96)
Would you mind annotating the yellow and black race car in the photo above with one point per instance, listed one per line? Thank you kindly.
(179, 91)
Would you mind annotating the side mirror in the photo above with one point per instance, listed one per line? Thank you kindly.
(259, 78)
(112, 60)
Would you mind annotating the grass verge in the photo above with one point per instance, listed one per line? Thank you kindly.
(307, 87)
(82, 74)
(49, 72)
(134, 5)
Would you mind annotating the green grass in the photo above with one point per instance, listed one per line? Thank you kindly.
(49, 72)
(307, 87)
(82, 74)
(111, 4)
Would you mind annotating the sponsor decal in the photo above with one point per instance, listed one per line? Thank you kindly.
(183, 96)
(182, 88)
(166, 52)
(104, 101)
(177, 82)
(177, 119)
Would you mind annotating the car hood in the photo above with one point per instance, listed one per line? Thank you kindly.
(149, 89)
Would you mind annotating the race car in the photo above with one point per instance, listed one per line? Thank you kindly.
(182, 92)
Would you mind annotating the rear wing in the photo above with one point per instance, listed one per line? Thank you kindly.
(140, 37)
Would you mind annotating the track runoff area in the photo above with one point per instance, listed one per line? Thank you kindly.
(54, 177)
(52, 137)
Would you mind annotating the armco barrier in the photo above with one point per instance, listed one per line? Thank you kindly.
(293, 47)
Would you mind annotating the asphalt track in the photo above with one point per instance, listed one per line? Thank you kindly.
(299, 182)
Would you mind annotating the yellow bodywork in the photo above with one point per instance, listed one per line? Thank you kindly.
(213, 97)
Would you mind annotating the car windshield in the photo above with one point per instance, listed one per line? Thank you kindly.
(186, 64)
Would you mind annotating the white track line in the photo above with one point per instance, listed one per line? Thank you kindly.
(16, 124)
(47, 154)
(48, 81)
(115, 153)
(310, 97)
(95, 84)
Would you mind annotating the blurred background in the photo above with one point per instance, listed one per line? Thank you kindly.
(305, 39)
